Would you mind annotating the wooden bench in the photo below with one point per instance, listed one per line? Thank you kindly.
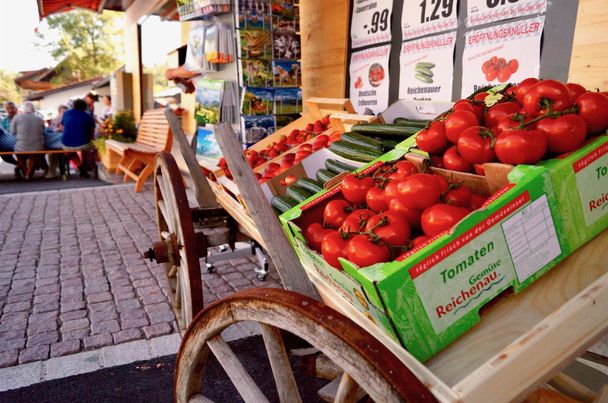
(137, 159)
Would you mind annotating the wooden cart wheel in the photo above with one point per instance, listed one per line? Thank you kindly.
(366, 362)
(176, 231)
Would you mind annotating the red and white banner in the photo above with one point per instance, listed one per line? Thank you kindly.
(484, 11)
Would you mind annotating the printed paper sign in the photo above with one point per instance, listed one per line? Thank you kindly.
(427, 67)
(428, 17)
(500, 54)
(484, 11)
(371, 22)
(591, 173)
(369, 79)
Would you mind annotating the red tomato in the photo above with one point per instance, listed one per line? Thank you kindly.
(363, 252)
(576, 90)
(411, 215)
(354, 189)
(475, 145)
(460, 197)
(436, 161)
(419, 240)
(433, 139)
(476, 201)
(314, 235)
(524, 87)
(509, 122)
(443, 183)
(556, 93)
(478, 108)
(441, 217)
(404, 170)
(376, 199)
(453, 161)
(333, 247)
(457, 122)
(390, 191)
(513, 65)
(521, 146)
(480, 96)
(419, 191)
(336, 212)
(593, 108)
(492, 73)
(504, 74)
(487, 65)
(357, 220)
(391, 227)
(565, 133)
(498, 111)
(300, 155)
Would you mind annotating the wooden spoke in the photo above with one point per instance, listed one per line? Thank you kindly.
(368, 363)
(175, 224)
(279, 361)
(200, 399)
(247, 388)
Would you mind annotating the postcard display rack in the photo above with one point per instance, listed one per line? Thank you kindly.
(248, 54)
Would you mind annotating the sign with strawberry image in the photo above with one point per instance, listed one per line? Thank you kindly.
(369, 79)
(427, 68)
(501, 54)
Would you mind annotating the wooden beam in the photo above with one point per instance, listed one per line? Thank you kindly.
(282, 254)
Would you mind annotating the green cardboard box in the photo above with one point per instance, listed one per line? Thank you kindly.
(434, 294)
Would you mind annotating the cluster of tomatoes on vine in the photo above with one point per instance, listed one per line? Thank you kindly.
(531, 121)
(377, 217)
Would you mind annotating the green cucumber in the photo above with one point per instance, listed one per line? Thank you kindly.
(324, 175)
(338, 167)
(297, 194)
(362, 141)
(310, 185)
(423, 78)
(353, 152)
(427, 65)
(424, 71)
(390, 144)
(282, 204)
(411, 122)
(385, 130)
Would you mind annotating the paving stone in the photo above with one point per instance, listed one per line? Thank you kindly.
(41, 327)
(19, 298)
(17, 306)
(99, 297)
(79, 314)
(97, 341)
(126, 335)
(158, 329)
(127, 304)
(75, 334)
(132, 314)
(41, 339)
(37, 353)
(46, 307)
(8, 358)
(159, 313)
(106, 326)
(65, 347)
(75, 324)
(101, 316)
(11, 335)
(13, 344)
(72, 306)
(46, 298)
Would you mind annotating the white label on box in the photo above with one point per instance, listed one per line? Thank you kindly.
(369, 79)
(371, 22)
(591, 174)
(484, 11)
(427, 68)
(531, 238)
(501, 54)
(424, 17)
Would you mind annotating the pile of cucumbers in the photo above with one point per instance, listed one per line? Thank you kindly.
(424, 72)
(368, 141)
(304, 188)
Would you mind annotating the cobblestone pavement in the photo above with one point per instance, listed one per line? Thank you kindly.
(72, 276)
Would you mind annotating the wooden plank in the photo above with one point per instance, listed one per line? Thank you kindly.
(39, 152)
(341, 389)
(570, 387)
(279, 361)
(282, 254)
(241, 380)
(204, 194)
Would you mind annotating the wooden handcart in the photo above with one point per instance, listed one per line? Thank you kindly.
(521, 343)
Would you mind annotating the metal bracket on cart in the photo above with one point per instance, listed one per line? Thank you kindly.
(225, 252)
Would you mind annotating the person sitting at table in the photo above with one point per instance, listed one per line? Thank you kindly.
(52, 136)
(7, 139)
(28, 129)
(78, 130)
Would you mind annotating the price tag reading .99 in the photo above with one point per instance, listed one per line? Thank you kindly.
(423, 17)
(379, 21)
(371, 22)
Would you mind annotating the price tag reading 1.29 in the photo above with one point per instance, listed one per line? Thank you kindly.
(423, 17)
(371, 22)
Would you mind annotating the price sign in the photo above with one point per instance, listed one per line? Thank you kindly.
(371, 22)
(427, 68)
(423, 17)
(506, 53)
(484, 11)
(370, 79)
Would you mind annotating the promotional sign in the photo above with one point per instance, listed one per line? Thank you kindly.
(500, 54)
(426, 68)
(484, 11)
(370, 22)
(369, 79)
(428, 17)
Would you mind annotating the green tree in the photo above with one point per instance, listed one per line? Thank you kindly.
(89, 44)
(160, 80)
(8, 88)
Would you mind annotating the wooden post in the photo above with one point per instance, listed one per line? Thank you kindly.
(282, 254)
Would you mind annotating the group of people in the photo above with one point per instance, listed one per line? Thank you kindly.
(72, 130)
